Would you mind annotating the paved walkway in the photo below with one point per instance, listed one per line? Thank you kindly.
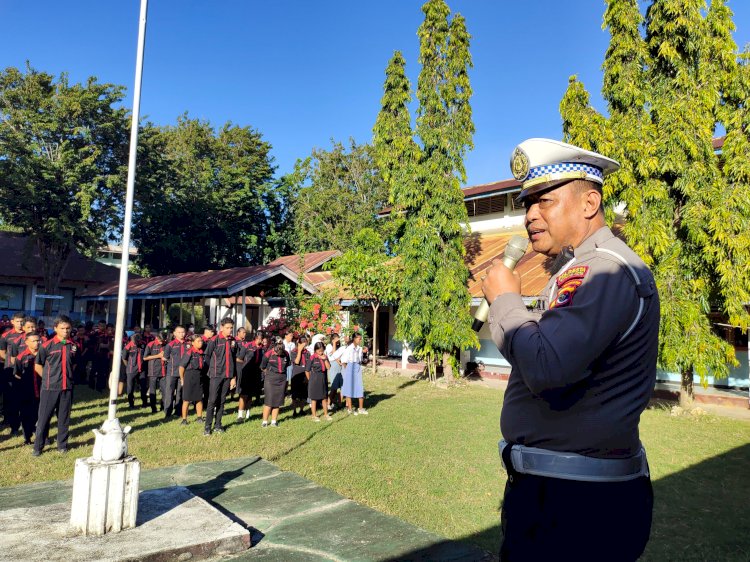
(290, 518)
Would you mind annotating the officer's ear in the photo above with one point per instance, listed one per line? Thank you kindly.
(591, 197)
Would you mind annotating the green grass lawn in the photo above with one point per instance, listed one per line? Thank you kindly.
(429, 456)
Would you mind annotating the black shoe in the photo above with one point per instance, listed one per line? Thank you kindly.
(62, 451)
(200, 419)
(27, 441)
(153, 410)
(294, 414)
(219, 430)
(184, 422)
(207, 432)
(35, 453)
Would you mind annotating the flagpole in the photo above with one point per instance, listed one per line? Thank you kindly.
(114, 378)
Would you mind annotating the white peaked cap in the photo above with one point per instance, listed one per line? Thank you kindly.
(543, 164)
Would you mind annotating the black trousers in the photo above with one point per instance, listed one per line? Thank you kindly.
(153, 384)
(553, 519)
(217, 395)
(5, 375)
(172, 393)
(29, 413)
(12, 402)
(101, 366)
(136, 380)
(48, 400)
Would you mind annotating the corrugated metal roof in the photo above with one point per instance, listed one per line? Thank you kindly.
(481, 249)
(313, 260)
(21, 259)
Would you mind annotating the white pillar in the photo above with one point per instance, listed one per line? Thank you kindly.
(244, 308)
(143, 312)
(106, 312)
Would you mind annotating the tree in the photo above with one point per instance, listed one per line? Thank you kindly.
(338, 192)
(62, 155)
(202, 197)
(425, 187)
(371, 275)
(685, 210)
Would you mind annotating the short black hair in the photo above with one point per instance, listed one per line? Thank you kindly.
(62, 319)
(227, 320)
(28, 319)
(19, 316)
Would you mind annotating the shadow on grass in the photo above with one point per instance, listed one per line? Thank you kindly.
(700, 513)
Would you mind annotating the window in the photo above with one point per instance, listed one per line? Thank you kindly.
(63, 305)
(12, 297)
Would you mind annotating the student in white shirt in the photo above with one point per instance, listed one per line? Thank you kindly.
(334, 352)
(353, 386)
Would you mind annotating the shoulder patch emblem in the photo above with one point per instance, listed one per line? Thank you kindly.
(575, 272)
(568, 282)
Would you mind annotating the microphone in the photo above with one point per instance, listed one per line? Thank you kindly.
(514, 251)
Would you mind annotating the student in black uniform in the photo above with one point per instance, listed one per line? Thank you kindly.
(153, 356)
(7, 341)
(274, 365)
(55, 363)
(173, 353)
(316, 371)
(299, 380)
(27, 384)
(191, 367)
(132, 358)
(221, 354)
(208, 332)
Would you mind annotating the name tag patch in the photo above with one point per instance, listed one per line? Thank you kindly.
(567, 282)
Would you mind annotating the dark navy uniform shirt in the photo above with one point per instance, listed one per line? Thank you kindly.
(23, 369)
(273, 363)
(584, 369)
(192, 360)
(133, 354)
(7, 342)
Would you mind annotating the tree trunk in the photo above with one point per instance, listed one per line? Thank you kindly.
(686, 388)
(54, 257)
(447, 367)
(375, 308)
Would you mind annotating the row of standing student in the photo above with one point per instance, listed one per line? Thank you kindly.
(200, 370)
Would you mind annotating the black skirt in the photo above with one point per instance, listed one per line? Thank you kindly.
(192, 389)
(299, 386)
(250, 383)
(317, 386)
(274, 386)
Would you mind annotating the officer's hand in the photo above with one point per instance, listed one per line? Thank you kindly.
(499, 280)
(232, 384)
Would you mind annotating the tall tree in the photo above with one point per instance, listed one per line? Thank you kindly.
(62, 154)
(371, 275)
(686, 215)
(433, 311)
(202, 197)
(396, 153)
(338, 192)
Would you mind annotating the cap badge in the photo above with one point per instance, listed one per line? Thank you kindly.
(519, 164)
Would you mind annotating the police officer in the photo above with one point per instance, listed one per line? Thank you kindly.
(583, 370)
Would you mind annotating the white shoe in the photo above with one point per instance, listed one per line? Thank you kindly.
(240, 414)
(247, 414)
(264, 424)
(331, 407)
(363, 411)
(274, 423)
(348, 411)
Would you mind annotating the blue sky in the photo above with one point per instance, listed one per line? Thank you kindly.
(303, 72)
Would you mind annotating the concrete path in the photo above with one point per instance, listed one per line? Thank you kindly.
(290, 518)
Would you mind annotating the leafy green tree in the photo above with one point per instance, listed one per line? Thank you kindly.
(425, 185)
(202, 197)
(370, 275)
(338, 192)
(686, 207)
(62, 154)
